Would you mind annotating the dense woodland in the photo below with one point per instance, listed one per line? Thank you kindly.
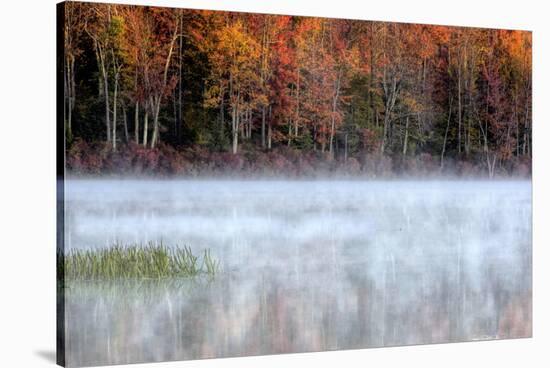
(163, 91)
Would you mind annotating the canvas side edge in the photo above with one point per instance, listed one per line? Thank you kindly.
(60, 185)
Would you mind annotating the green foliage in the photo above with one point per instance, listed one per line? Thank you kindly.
(303, 141)
(151, 261)
(219, 138)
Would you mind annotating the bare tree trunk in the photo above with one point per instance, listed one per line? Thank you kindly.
(250, 113)
(297, 117)
(115, 110)
(69, 95)
(371, 117)
(103, 81)
(248, 125)
(269, 129)
(180, 84)
(491, 164)
(155, 136)
(446, 130)
(390, 95)
(175, 112)
(234, 130)
(222, 115)
(136, 123)
(406, 140)
(468, 144)
(385, 132)
(460, 103)
(263, 72)
(346, 148)
(242, 125)
(156, 106)
(158, 96)
(333, 117)
(66, 98)
(315, 137)
(508, 134)
(263, 127)
(235, 123)
(125, 120)
(71, 21)
(269, 134)
(524, 145)
(106, 96)
(289, 134)
(525, 148)
(145, 126)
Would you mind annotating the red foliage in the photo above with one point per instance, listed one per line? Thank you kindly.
(164, 160)
(370, 140)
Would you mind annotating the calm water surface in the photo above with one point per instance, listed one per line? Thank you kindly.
(307, 266)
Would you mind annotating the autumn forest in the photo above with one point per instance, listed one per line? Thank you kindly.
(177, 92)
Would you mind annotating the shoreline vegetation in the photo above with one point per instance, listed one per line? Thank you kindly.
(85, 159)
(149, 261)
(195, 93)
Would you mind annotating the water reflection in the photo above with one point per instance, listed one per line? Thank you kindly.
(277, 312)
(306, 267)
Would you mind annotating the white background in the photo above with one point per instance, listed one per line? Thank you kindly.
(27, 181)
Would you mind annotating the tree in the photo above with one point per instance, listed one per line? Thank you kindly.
(73, 29)
(166, 27)
(97, 26)
(234, 55)
(206, 80)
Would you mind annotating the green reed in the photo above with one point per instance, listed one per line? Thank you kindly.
(151, 261)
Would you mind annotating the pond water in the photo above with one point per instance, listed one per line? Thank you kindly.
(306, 266)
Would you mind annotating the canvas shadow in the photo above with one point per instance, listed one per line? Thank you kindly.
(47, 355)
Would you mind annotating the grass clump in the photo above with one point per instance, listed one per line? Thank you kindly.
(152, 261)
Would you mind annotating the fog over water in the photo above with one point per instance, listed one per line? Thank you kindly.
(306, 266)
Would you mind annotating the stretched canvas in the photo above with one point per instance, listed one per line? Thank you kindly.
(234, 184)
